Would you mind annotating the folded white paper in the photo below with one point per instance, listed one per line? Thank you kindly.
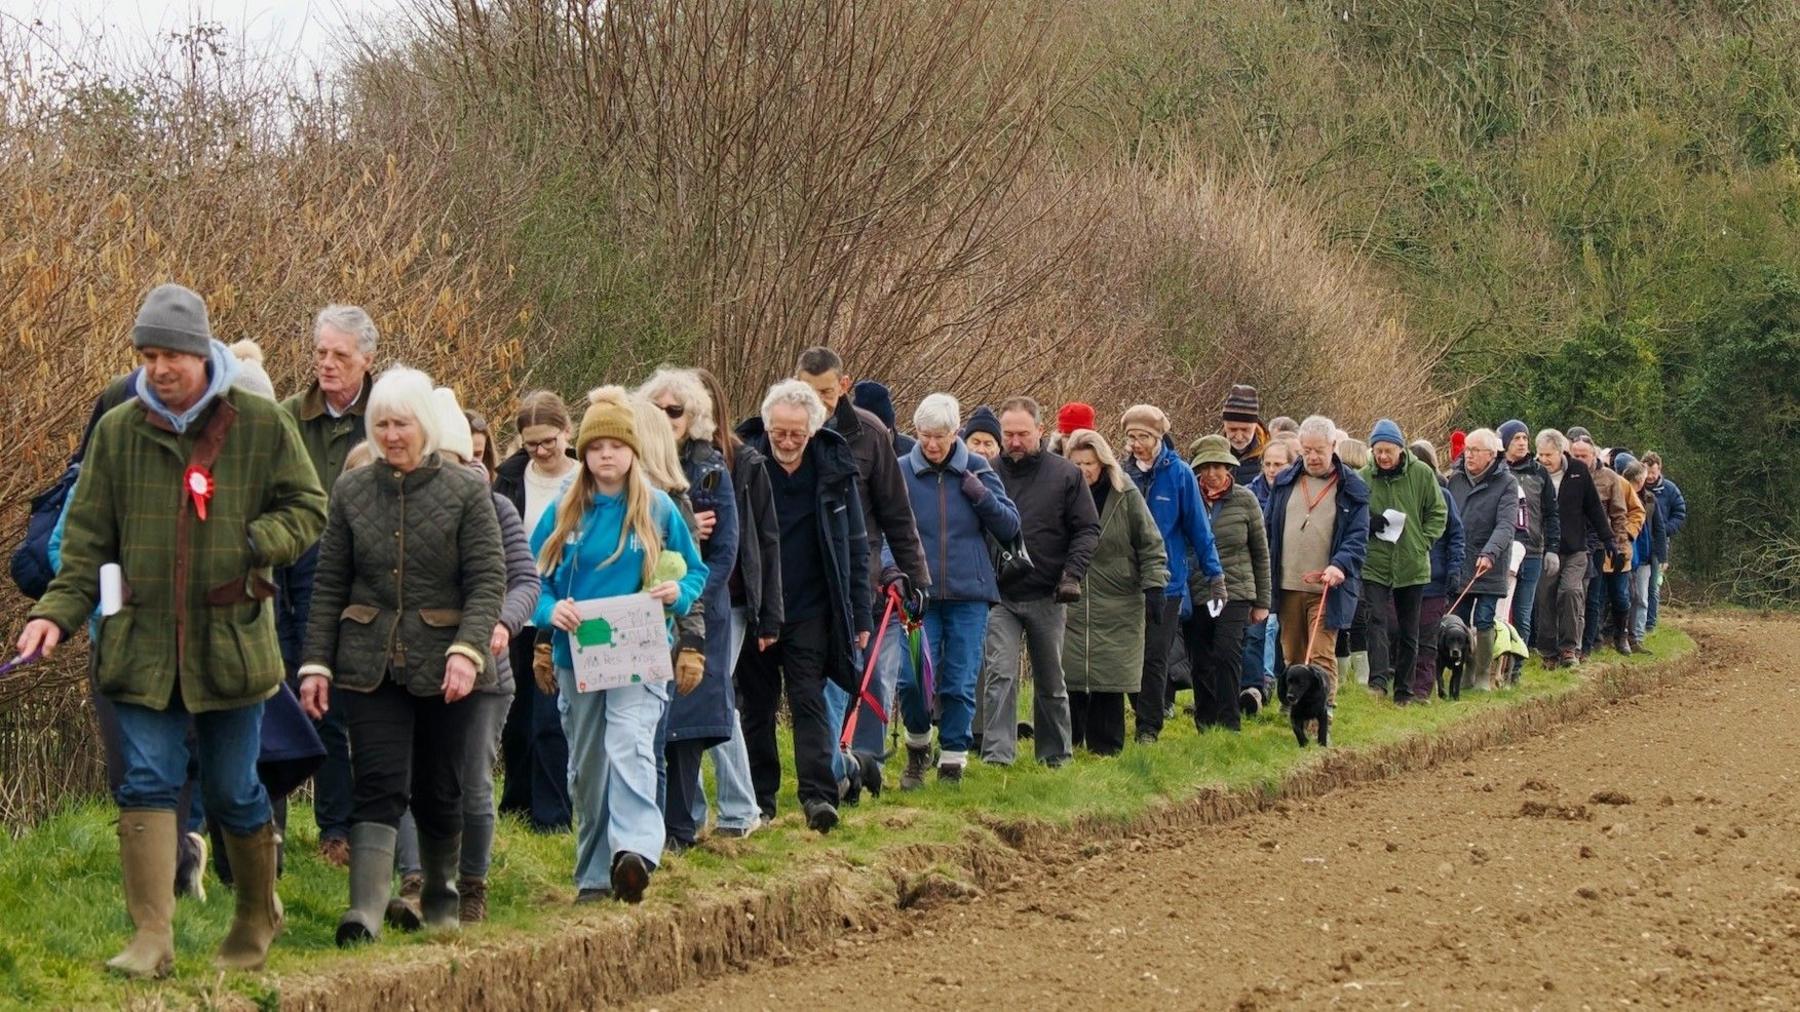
(1396, 522)
(112, 589)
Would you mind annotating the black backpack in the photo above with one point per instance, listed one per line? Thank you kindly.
(30, 564)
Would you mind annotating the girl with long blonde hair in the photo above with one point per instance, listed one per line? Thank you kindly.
(605, 538)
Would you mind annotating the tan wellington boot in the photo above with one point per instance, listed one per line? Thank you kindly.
(259, 918)
(147, 859)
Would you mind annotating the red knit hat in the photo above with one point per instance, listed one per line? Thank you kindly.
(1456, 443)
(1074, 415)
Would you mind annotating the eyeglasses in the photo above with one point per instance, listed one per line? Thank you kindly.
(789, 435)
(673, 410)
(534, 445)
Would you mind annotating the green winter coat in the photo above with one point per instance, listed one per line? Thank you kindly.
(197, 592)
(1103, 645)
(1243, 543)
(411, 569)
(329, 440)
(1414, 492)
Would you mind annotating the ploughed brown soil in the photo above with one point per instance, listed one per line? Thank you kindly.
(1646, 854)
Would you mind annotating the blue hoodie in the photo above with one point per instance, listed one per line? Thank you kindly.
(580, 577)
(221, 369)
(1173, 495)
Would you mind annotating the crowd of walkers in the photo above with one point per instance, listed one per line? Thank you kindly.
(358, 570)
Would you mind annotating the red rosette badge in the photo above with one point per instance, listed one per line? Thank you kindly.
(199, 486)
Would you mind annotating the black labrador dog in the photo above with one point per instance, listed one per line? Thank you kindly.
(1304, 695)
(1454, 645)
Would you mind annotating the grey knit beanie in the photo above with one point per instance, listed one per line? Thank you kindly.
(173, 318)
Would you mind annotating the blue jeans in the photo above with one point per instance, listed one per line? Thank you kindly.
(954, 633)
(1643, 584)
(1478, 610)
(1256, 649)
(612, 774)
(155, 751)
(895, 657)
(1525, 594)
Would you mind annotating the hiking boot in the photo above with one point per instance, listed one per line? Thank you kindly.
(147, 863)
(335, 851)
(630, 876)
(1637, 647)
(592, 895)
(737, 832)
(918, 760)
(190, 866)
(473, 895)
(1551, 662)
(403, 910)
(821, 817)
(1146, 738)
(1571, 659)
(1622, 643)
(1250, 701)
(950, 774)
(371, 877)
(258, 919)
(869, 764)
(850, 788)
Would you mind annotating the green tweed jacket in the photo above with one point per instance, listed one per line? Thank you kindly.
(197, 592)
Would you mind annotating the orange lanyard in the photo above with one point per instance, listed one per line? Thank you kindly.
(1313, 504)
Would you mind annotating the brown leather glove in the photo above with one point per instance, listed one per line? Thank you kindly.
(690, 667)
(543, 668)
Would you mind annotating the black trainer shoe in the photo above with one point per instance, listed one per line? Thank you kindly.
(821, 817)
(630, 876)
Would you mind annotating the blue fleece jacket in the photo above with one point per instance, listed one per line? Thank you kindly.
(1173, 495)
(580, 577)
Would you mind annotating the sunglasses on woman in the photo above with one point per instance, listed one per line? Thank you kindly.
(674, 410)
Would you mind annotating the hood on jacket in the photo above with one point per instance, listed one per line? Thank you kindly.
(221, 370)
(959, 460)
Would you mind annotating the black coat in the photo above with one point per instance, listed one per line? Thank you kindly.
(1578, 504)
(1057, 519)
(843, 542)
(886, 506)
(509, 479)
(758, 577)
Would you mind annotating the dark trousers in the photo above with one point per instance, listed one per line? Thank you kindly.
(534, 753)
(1216, 646)
(407, 751)
(1160, 623)
(797, 660)
(682, 759)
(1424, 673)
(332, 782)
(1606, 591)
(1393, 636)
(1097, 720)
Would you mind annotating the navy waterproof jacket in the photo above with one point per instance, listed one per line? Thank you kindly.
(1447, 551)
(1173, 495)
(951, 528)
(1349, 539)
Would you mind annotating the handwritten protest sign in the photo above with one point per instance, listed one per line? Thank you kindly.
(621, 641)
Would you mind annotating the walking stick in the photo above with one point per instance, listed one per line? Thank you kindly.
(863, 697)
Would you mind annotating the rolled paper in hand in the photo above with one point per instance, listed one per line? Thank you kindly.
(112, 589)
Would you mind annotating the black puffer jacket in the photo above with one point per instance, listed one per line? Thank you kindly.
(1057, 519)
(757, 581)
(410, 568)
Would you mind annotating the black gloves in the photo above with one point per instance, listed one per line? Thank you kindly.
(1377, 523)
(1068, 591)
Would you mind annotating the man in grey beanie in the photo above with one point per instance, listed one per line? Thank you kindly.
(193, 490)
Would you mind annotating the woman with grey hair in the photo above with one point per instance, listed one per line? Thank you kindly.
(1103, 647)
(706, 717)
(410, 585)
(1487, 498)
(958, 503)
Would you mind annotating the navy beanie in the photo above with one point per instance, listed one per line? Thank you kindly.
(874, 398)
(983, 419)
(1509, 429)
(1386, 431)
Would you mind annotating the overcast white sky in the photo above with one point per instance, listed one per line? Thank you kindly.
(301, 29)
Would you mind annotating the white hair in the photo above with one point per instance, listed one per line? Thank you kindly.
(937, 413)
(1319, 425)
(794, 394)
(1483, 439)
(1553, 439)
(406, 393)
(689, 392)
(352, 320)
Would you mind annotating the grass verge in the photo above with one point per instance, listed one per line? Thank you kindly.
(62, 916)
